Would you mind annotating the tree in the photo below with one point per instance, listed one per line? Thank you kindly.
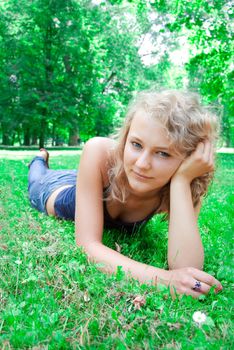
(210, 68)
(71, 66)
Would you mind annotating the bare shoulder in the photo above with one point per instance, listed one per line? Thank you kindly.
(97, 152)
(99, 145)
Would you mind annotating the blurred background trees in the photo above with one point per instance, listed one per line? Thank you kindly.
(69, 68)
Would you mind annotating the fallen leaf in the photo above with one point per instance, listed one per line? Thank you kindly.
(138, 302)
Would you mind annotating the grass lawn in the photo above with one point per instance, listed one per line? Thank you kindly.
(51, 297)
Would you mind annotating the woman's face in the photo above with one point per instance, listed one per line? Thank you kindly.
(149, 159)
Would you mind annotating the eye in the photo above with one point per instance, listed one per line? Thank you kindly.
(136, 145)
(163, 154)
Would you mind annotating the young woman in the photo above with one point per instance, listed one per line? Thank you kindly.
(162, 162)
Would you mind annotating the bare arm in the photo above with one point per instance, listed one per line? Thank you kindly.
(184, 243)
(111, 260)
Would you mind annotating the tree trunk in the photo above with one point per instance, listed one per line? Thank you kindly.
(19, 137)
(226, 129)
(73, 136)
(13, 139)
(26, 136)
(47, 87)
(42, 132)
(34, 138)
(54, 134)
(6, 139)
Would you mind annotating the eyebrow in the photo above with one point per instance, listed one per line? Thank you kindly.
(164, 148)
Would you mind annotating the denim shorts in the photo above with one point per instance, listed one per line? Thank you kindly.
(42, 182)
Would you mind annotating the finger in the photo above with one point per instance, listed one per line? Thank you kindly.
(207, 150)
(211, 159)
(199, 149)
(206, 278)
(198, 286)
(205, 289)
(202, 289)
(175, 293)
(197, 291)
(189, 291)
(208, 155)
(194, 294)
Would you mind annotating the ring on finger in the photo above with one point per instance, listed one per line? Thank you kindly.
(197, 286)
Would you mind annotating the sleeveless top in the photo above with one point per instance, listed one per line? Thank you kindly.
(130, 227)
(65, 203)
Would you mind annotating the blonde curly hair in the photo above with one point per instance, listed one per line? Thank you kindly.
(187, 123)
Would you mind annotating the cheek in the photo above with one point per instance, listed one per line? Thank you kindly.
(125, 155)
(128, 155)
(170, 168)
(126, 159)
(175, 165)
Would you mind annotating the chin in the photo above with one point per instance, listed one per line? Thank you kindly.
(140, 186)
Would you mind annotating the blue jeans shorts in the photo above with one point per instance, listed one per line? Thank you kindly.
(42, 182)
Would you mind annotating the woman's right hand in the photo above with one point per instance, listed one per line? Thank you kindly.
(191, 281)
(201, 161)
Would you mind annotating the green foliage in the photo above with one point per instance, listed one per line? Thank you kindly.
(69, 68)
(52, 297)
(210, 69)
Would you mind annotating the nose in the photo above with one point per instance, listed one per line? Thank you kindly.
(143, 161)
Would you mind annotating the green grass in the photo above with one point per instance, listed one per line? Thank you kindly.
(51, 297)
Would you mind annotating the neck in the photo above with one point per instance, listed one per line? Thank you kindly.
(152, 197)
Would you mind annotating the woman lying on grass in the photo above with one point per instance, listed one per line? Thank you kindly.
(162, 162)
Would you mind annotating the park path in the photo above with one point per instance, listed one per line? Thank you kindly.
(10, 154)
(23, 154)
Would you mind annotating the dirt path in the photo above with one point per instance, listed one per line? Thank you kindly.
(22, 154)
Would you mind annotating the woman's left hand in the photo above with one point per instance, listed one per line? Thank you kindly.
(201, 161)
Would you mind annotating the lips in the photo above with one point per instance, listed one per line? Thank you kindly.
(141, 176)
